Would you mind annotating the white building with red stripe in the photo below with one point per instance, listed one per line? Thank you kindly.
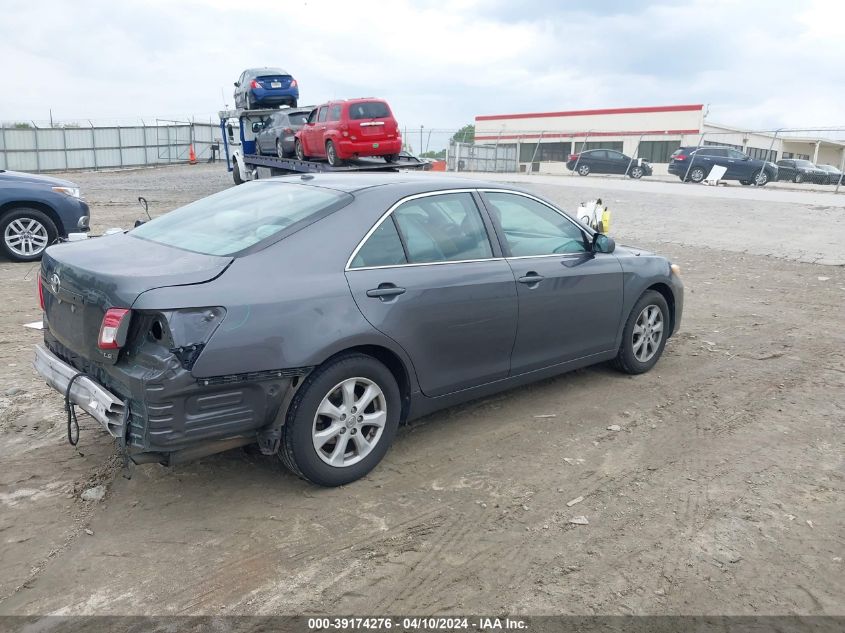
(651, 133)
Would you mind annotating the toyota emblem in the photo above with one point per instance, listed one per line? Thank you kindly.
(55, 283)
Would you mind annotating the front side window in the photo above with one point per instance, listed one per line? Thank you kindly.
(533, 228)
(312, 117)
(732, 153)
(442, 228)
(237, 218)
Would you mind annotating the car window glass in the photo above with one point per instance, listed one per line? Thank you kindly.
(707, 151)
(598, 153)
(334, 112)
(615, 155)
(298, 118)
(533, 228)
(322, 116)
(732, 153)
(312, 117)
(382, 248)
(369, 110)
(442, 228)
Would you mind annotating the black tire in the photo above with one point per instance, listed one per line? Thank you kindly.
(391, 158)
(583, 170)
(697, 174)
(293, 103)
(299, 151)
(280, 151)
(761, 178)
(626, 360)
(636, 172)
(248, 102)
(331, 155)
(745, 183)
(297, 450)
(236, 173)
(23, 229)
(798, 179)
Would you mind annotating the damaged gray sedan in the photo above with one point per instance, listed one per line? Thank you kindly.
(311, 315)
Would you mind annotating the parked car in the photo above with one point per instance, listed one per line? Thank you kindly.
(799, 170)
(265, 88)
(834, 176)
(391, 296)
(35, 211)
(342, 130)
(695, 163)
(276, 134)
(607, 161)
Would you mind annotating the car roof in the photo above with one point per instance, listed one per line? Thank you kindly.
(273, 69)
(357, 181)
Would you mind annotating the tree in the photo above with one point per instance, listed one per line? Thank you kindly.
(465, 135)
(440, 155)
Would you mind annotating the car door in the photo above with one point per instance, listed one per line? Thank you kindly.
(570, 298)
(597, 160)
(705, 158)
(318, 133)
(617, 162)
(739, 165)
(307, 132)
(263, 138)
(429, 277)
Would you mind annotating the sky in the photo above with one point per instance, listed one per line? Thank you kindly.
(756, 64)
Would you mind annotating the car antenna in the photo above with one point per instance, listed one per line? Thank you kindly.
(143, 202)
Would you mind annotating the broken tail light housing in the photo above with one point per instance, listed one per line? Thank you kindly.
(114, 328)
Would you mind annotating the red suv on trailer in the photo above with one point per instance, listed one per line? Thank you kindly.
(340, 130)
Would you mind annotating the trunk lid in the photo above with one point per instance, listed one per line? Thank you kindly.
(81, 280)
(268, 81)
(372, 121)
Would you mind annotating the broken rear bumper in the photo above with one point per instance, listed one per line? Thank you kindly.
(94, 399)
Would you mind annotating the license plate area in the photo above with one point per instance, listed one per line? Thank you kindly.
(275, 84)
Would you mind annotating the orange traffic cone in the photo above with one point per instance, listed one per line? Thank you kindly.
(192, 156)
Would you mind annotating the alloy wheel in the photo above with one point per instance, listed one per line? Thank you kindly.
(349, 422)
(26, 237)
(648, 332)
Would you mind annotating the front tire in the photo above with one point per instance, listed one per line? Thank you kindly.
(391, 158)
(26, 233)
(636, 172)
(342, 421)
(644, 335)
(299, 150)
(798, 179)
(761, 178)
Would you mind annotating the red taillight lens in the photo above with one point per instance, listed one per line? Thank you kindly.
(113, 329)
(40, 292)
(680, 157)
(293, 83)
(573, 157)
(254, 84)
(288, 130)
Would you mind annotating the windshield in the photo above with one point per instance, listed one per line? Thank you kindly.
(828, 167)
(237, 218)
(369, 110)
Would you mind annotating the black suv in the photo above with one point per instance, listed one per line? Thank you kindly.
(694, 163)
(799, 170)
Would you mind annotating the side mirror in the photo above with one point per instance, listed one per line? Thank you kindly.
(256, 127)
(237, 84)
(603, 243)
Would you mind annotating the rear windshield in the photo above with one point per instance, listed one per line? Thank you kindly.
(369, 110)
(298, 118)
(240, 217)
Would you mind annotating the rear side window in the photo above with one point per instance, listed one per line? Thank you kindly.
(237, 218)
(442, 228)
(369, 110)
(382, 248)
(322, 116)
(334, 113)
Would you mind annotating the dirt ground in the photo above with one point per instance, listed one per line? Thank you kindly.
(721, 494)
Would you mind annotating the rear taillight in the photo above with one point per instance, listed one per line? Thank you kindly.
(255, 84)
(573, 157)
(680, 157)
(288, 130)
(113, 329)
(40, 292)
(293, 83)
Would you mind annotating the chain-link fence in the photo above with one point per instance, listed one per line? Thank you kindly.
(35, 147)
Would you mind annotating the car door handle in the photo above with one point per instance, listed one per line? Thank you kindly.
(531, 278)
(385, 291)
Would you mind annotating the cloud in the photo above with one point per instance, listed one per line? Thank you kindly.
(756, 63)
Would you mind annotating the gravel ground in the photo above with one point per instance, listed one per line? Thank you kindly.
(721, 492)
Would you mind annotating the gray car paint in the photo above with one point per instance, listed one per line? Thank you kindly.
(290, 307)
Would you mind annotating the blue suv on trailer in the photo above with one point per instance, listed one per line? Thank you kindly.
(35, 211)
(695, 163)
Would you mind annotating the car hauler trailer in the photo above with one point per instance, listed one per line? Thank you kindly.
(239, 130)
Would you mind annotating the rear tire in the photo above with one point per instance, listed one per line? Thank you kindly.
(583, 170)
(798, 179)
(697, 174)
(236, 173)
(25, 234)
(639, 334)
(761, 178)
(391, 158)
(299, 150)
(280, 152)
(331, 155)
(324, 390)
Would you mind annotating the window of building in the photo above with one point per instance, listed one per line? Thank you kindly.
(762, 154)
(657, 151)
(546, 152)
(739, 147)
(793, 155)
(582, 147)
